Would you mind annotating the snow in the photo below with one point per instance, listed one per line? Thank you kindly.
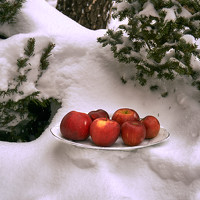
(52, 2)
(149, 10)
(85, 77)
(170, 14)
(189, 39)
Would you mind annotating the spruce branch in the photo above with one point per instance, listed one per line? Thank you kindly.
(9, 10)
(22, 62)
(29, 50)
(25, 120)
(154, 42)
(20, 79)
(44, 63)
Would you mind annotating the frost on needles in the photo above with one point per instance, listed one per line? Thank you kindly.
(159, 39)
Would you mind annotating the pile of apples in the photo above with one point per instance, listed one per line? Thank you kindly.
(104, 131)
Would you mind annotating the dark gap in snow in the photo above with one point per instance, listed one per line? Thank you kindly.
(39, 117)
(2, 36)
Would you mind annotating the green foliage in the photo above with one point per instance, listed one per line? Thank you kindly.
(44, 63)
(9, 10)
(26, 118)
(29, 50)
(46, 53)
(153, 41)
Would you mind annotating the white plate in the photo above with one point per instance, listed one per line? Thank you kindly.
(118, 146)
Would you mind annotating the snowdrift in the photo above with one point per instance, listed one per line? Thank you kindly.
(85, 77)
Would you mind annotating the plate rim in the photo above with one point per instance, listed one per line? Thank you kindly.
(87, 146)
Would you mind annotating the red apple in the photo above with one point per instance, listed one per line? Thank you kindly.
(104, 132)
(133, 133)
(100, 113)
(152, 126)
(125, 114)
(75, 126)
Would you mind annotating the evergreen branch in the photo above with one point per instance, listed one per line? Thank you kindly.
(29, 50)
(22, 62)
(21, 79)
(9, 10)
(25, 119)
(44, 63)
(155, 44)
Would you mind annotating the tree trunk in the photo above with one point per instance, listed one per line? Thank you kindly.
(93, 14)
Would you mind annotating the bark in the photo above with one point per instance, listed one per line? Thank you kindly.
(93, 14)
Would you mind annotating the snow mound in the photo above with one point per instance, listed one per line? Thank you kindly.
(85, 77)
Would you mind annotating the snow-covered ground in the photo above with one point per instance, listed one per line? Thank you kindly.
(85, 77)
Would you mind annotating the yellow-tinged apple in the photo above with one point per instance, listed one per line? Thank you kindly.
(104, 132)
